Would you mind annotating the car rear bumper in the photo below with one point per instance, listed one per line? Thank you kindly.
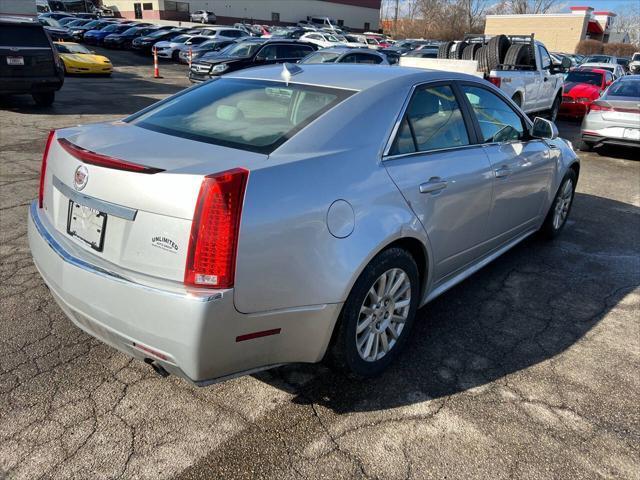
(595, 139)
(198, 335)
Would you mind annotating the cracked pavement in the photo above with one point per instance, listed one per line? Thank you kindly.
(529, 369)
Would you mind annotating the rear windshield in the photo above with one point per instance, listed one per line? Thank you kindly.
(252, 115)
(628, 88)
(23, 36)
(592, 78)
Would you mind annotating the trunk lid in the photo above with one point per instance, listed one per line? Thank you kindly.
(148, 215)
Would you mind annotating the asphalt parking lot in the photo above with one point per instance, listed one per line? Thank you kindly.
(529, 369)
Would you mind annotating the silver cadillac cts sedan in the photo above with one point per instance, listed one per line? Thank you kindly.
(288, 214)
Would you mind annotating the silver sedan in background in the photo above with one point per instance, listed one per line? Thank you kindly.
(252, 221)
(614, 119)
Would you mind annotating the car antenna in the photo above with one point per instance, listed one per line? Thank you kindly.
(289, 70)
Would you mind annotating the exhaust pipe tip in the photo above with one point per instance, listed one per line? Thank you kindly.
(159, 369)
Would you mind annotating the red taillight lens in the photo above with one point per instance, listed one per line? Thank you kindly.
(43, 167)
(601, 108)
(211, 259)
(93, 158)
(496, 81)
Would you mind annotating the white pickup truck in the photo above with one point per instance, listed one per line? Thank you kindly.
(518, 65)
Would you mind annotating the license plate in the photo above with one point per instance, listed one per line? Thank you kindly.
(87, 225)
(15, 60)
(631, 133)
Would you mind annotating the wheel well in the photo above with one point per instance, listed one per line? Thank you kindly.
(417, 251)
(575, 166)
(517, 95)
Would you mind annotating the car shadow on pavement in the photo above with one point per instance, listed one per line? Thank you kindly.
(527, 307)
(620, 152)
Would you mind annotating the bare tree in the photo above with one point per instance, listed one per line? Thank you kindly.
(521, 7)
(628, 20)
(474, 11)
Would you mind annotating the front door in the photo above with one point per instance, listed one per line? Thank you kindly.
(137, 10)
(445, 179)
(522, 166)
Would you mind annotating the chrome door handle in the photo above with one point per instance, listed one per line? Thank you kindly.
(502, 172)
(434, 185)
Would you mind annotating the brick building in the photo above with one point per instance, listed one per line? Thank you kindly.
(560, 32)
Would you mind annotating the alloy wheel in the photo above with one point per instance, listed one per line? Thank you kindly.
(383, 315)
(563, 204)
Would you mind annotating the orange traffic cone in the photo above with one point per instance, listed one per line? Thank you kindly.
(156, 70)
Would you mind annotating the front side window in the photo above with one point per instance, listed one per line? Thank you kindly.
(268, 53)
(498, 121)
(293, 51)
(252, 115)
(433, 121)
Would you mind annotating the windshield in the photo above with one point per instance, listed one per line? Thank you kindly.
(92, 23)
(636, 57)
(252, 115)
(331, 38)
(245, 49)
(597, 59)
(628, 88)
(321, 57)
(157, 34)
(77, 23)
(591, 78)
(51, 22)
(181, 39)
(130, 31)
(71, 48)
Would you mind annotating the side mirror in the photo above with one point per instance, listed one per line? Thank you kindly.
(545, 129)
(566, 62)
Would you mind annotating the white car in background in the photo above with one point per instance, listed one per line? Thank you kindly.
(614, 68)
(171, 48)
(223, 32)
(351, 41)
(321, 39)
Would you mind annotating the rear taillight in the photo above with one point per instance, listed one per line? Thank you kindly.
(43, 167)
(596, 107)
(497, 81)
(211, 259)
(93, 158)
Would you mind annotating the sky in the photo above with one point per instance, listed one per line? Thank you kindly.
(612, 5)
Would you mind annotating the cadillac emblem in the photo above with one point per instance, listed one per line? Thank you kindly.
(81, 177)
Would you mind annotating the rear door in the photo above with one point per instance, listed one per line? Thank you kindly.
(522, 166)
(445, 178)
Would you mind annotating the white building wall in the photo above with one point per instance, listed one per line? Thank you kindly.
(290, 10)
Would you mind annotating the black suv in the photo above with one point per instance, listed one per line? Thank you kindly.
(252, 52)
(29, 64)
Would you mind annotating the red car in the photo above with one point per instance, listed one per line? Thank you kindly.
(581, 87)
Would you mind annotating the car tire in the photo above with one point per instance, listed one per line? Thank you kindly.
(44, 99)
(497, 49)
(555, 108)
(364, 343)
(585, 146)
(457, 51)
(557, 216)
(517, 99)
(443, 49)
(469, 52)
(518, 54)
(481, 57)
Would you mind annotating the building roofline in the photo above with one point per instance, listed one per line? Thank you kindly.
(610, 14)
(537, 15)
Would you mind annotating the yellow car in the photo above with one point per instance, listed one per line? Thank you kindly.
(78, 59)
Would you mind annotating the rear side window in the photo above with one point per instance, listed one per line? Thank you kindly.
(433, 121)
(498, 122)
(249, 115)
(293, 51)
(22, 36)
(629, 88)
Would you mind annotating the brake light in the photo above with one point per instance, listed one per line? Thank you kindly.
(211, 258)
(497, 81)
(93, 158)
(43, 167)
(600, 108)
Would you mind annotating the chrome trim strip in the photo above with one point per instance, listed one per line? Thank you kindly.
(77, 262)
(100, 205)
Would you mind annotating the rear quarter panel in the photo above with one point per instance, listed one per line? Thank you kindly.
(287, 257)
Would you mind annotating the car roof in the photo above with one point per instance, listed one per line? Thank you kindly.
(351, 76)
(592, 69)
(346, 49)
(597, 64)
(629, 78)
